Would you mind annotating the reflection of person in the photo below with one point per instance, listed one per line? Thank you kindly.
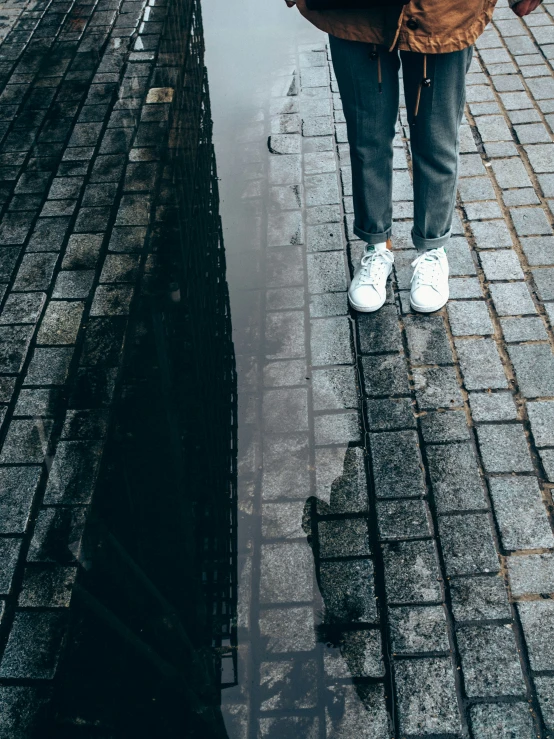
(433, 39)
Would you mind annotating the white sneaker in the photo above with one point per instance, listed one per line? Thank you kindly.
(368, 289)
(430, 281)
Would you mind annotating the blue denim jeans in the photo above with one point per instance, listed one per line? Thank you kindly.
(371, 112)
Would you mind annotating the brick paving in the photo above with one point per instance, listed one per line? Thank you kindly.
(87, 105)
(430, 611)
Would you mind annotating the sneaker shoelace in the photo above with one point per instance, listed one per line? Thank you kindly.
(427, 269)
(374, 267)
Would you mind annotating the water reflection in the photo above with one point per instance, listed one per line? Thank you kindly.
(152, 639)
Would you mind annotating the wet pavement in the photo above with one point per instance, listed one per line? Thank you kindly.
(388, 566)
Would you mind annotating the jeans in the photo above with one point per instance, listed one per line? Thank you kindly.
(371, 112)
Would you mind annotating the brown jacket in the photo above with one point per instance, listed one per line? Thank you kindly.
(425, 26)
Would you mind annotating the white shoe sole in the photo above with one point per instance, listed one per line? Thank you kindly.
(428, 308)
(364, 308)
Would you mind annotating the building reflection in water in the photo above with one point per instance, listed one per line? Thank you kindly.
(152, 636)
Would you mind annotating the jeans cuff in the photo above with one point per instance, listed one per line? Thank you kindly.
(427, 244)
(373, 238)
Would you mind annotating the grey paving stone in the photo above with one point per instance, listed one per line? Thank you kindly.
(490, 660)
(528, 328)
(26, 441)
(501, 265)
(427, 340)
(334, 389)
(73, 473)
(286, 572)
(285, 410)
(510, 173)
(531, 574)
(282, 520)
(285, 469)
(546, 182)
(14, 344)
(110, 300)
(337, 428)
(23, 709)
(330, 304)
(492, 407)
(323, 214)
(467, 544)
(285, 335)
(60, 323)
(324, 237)
(437, 387)
(534, 366)
(504, 448)
(521, 196)
(469, 318)
(439, 427)
(539, 250)
(85, 424)
(359, 655)
(530, 221)
(494, 128)
(9, 554)
(520, 513)
(545, 691)
(331, 341)
(284, 267)
(512, 298)
(379, 332)
(38, 402)
(288, 726)
(426, 697)
(18, 486)
(385, 375)
(22, 308)
(480, 363)
(348, 591)
(344, 538)
(326, 272)
(285, 170)
(34, 645)
(282, 373)
(544, 280)
(411, 572)
(47, 586)
(402, 519)
(455, 478)
(9, 256)
(49, 366)
(547, 459)
(541, 417)
(73, 284)
(278, 686)
(35, 271)
(388, 414)
(478, 598)
(537, 619)
(397, 467)
(285, 229)
(344, 717)
(341, 483)
(483, 209)
(541, 157)
(465, 287)
(321, 190)
(492, 234)
(418, 629)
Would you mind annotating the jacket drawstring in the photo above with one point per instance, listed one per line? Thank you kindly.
(425, 82)
(374, 55)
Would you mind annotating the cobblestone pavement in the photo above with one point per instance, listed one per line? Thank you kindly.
(87, 92)
(430, 612)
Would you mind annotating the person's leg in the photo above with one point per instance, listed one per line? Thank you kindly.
(371, 111)
(434, 134)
